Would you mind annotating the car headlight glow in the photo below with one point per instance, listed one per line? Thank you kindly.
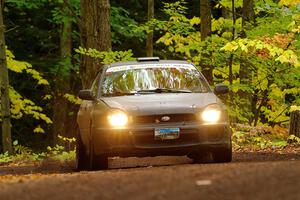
(117, 119)
(211, 114)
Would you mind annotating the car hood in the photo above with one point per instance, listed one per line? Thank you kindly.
(151, 104)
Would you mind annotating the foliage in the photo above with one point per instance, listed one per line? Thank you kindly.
(25, 154)
(5, 158)
(123, 26)
(228, 3)
(33, 33)
(21, 66)
(107, 57)
(262, 137)
(58, 153)
(72, 99)
(257, 141)
(292, 139)
(21, 154)
(20, 105)
(289, 3)
(27, 4)
(294, 108)
(270, 53)
(59, 15)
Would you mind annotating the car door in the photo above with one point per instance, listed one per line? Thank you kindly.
(84, 113)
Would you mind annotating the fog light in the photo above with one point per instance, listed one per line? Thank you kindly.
(211, 114)
(117, 119)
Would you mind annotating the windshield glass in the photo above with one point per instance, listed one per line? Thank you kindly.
(152, 78)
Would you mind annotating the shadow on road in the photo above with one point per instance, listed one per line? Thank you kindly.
(50, 166)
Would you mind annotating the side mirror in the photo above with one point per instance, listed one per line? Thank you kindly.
(221, 89)
(86, 95)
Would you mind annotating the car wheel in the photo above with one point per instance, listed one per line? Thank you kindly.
(82, 159)
(98, 162)
(222, 154)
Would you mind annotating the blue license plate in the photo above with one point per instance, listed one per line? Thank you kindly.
(166, 133)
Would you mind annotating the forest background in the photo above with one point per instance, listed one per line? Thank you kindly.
(55, 48)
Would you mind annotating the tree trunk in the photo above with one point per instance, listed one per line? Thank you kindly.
(149, 42)
(66, 35)
(95, 33)
(62, 82)
(4, 91)
(205, 15)
(230, 61)
(248, 16)
(295, 123)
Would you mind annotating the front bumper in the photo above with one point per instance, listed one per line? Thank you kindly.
(139, 140)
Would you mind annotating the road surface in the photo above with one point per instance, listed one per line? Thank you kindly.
(258, 176)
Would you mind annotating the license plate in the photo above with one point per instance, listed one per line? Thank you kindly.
(166, 133)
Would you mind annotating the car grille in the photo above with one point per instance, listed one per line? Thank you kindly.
(157, 119)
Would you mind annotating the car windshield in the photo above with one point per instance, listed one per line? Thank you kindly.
(152, 78)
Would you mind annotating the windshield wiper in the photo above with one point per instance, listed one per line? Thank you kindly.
(163, 90)
(157, 90)
(115, 94)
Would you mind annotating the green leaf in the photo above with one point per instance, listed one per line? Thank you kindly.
(15, 143)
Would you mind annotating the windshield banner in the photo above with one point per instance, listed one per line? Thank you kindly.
(149, 66)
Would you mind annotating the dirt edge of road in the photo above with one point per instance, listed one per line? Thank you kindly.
(49, 166)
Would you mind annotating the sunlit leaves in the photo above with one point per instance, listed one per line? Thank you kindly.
(175, 9)
(195, 21)
(72, 99)
(261, 137)
(20, 105)
(107, 57)
(228, 3)
(270, 52)
(289, 3)
(21, 66)
(294, 108)
(223, 25)
(38, 129)
(279, 54)
(230, 46)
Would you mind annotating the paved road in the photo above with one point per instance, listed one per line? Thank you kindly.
(250, 176)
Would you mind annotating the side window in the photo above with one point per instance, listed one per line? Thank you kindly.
(95, 85)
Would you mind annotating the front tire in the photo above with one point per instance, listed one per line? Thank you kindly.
(98, 162)
(222, 154)
(82, 158)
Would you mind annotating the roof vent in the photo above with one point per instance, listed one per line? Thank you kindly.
(148, 59)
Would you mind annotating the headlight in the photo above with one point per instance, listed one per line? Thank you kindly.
(211, 114)
(117, 119)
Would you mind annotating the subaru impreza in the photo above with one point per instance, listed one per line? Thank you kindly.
(151, 107)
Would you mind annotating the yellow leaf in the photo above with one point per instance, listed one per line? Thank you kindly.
(195, 21)
(289, 3)
(38, 129)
